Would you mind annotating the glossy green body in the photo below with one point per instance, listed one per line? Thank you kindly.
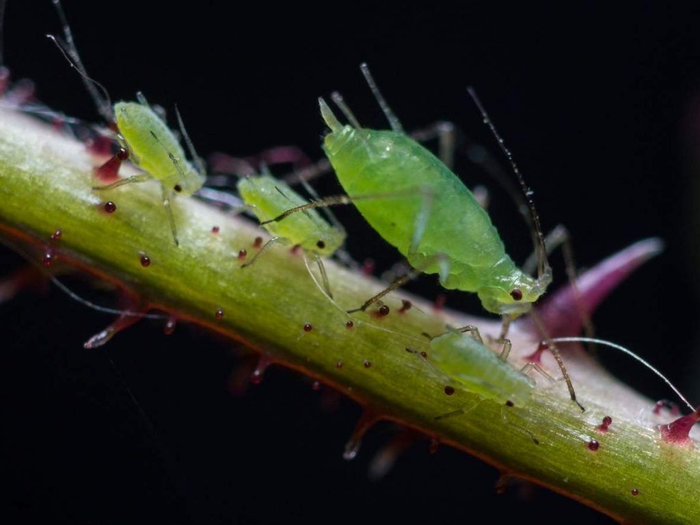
(479, 369)
(269, 197)
(162, 158)
(456, 229)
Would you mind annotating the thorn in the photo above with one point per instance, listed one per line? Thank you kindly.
(367, 420)
(561, 312)
(385, 459)
(502, 483)
(264, 362)
(678, 431)
(18, 281)
(170, 325)
(122, 322)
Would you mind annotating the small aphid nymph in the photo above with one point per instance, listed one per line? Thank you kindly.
(143, 136)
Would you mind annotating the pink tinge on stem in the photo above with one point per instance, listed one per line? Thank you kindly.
(562, 311)
(678, 431)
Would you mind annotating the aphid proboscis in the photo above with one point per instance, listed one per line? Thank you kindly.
(143, 135)
(267, 197)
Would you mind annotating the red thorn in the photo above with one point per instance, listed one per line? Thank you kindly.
(109, 171)
(170, 325)
(536, 356)
(502, 483)
(122, 323)
(256, 376)
(385, 459)
(678, 431)
(18, 281)
(367, 420)
(434, 445)
(561, 313)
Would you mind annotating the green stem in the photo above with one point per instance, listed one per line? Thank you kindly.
(45, 184)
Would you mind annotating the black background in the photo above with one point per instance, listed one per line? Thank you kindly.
(597, 106)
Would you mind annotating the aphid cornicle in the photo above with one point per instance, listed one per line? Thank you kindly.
(144, 138)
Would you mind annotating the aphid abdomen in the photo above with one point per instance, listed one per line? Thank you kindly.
(457, 227)
(479, 369)
(269, 197)
(154, 148)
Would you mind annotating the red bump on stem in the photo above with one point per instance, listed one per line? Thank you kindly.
(678, 431)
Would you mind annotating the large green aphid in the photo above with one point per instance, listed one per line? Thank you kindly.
(420, 206)
(267, 197)
(144, 138)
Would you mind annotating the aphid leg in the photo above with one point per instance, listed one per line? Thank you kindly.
(505, 352)
(167, 197)
(505, 326)
(122, 182)
(324, 274)
(399, 282)
(344, 200)
(445, 133)
(394, 121)
(557, 356)
(474, 331)
(459, 411)
(481, 194)
(265, 247)
(537, 368)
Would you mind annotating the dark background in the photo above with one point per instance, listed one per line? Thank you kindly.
(596, 105)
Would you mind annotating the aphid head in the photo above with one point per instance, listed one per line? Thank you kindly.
(513, 297)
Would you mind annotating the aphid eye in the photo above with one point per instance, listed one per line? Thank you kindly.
(516, 294)
(123, 154)
(321, 244)
(178, 188)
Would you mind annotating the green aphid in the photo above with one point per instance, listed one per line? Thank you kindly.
(420, 206)
(464, 359)
(267, 197)
(144, 138)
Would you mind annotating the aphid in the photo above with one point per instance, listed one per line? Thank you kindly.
(143, 135)
(417, 204)
(422, 208)
(465, 360)
(267, 197)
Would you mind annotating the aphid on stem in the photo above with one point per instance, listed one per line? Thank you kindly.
(417, 204)
(144, 137)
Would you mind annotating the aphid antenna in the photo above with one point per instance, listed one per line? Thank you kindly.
(201, 168)
(326, 211)
(630, 353)
(70, 53)
(543, 268)
(394, 121)
(70, 293)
